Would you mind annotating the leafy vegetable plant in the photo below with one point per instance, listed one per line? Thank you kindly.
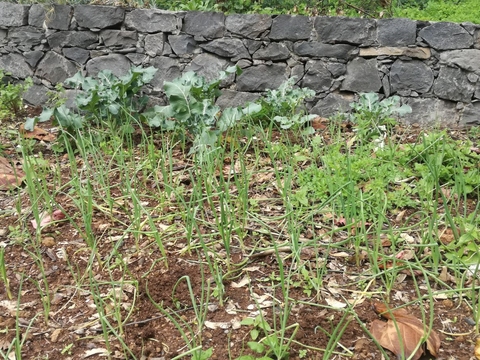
(285, 105)
(192, 108)
(104, 97)
(374, 118)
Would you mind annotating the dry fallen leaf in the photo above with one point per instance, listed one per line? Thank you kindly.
(320, 123)
(402, 332)
(9, 176)
(37, 133)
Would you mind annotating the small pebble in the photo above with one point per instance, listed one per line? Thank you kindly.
(48, 241)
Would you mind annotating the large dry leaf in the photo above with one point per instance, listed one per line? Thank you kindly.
(9, 176)
(37, 133)
(402, 333)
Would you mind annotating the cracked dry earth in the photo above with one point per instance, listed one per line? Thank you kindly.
(154, 291)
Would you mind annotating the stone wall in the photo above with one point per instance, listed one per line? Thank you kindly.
(434, 67)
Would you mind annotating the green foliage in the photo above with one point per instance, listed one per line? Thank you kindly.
(268, 345)
(106, 97)
(372, 118)
(192, 108)
(285, 106)
(439, 160)
(433, 10)
(440, 10)
(11, 97)
(353, 176)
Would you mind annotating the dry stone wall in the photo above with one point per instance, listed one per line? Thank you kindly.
(434, 67)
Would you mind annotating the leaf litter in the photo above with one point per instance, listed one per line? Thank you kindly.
(403, 334)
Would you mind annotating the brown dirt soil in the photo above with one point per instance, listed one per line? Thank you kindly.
(159, 281)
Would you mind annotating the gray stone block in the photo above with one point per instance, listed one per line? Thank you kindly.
(168, 69)
(209, 25)
(291, 27)
(76, 54)
(273, 51)
(55, 16)
(336, 69)
(396, 32)
(232, 98)
(151, 21)
(99, 17)
(16, 65)
(182, 44)
(317, 49)
(118, 64)
(452, 84)
(26, 36)
(154, 44)
(362, 76)
(33, 57)
(410, 75)
(36, 95)
(470, 115)
(252, 45)
(36, 15)
(13, 14)
(136, 59)
(262, 77)
(248, 25)
(446, 36)
(298, 71)
(55, 68)
(476, 39)
(208, 66)
(345, 30)
(386, 86)
(60, 18)
(430, 112)
(467, 59)
(317, 77)
(119, 38)
(227, 47)
(333, 104)
(81, 39)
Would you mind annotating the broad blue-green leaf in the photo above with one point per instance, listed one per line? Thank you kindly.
(229, 117)
(44, 116)
(309, 130)
(83, 100)
(204, 142)
(148, 74)
(252, 108)
(113, 108)
(75, 80)
(67, 119)
(404, 109)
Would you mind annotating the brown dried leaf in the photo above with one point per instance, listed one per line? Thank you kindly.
(320, 123)
(37, 133)
(402, 333)
(9, 176)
